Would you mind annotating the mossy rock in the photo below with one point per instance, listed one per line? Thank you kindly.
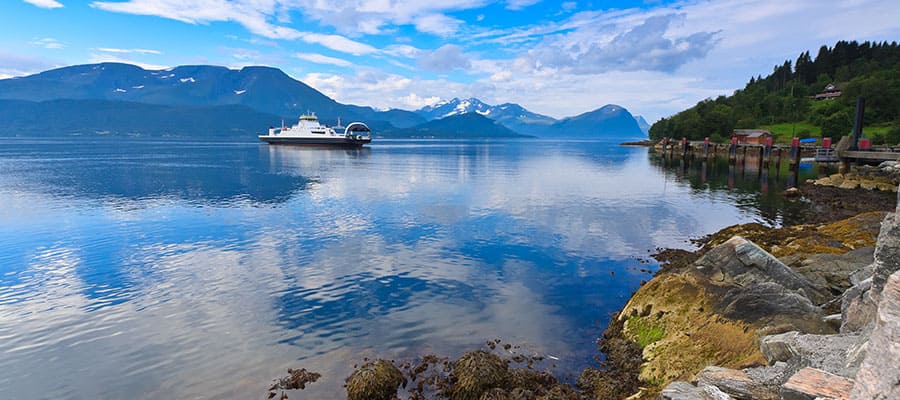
(559, 392)
(477, 372)
(495, 394)
(531, 380)
(378, 380)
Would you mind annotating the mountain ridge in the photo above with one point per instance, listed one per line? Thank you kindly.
(255, 92)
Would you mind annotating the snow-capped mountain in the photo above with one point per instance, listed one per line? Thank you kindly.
(511, 115)
(447, 108)
(610, 119)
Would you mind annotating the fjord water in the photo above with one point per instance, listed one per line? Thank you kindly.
(180, 269)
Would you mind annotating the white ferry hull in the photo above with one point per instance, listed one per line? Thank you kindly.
(314, 141)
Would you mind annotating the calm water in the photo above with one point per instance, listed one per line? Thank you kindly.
(152, 269)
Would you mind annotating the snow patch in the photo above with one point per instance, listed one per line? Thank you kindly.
(138, 87)
(240, 91)
(167, 76)
(120, 90)
(190, 79)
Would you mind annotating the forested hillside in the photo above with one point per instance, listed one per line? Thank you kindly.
(784, 101)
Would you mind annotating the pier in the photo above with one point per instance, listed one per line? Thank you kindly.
(849, 149)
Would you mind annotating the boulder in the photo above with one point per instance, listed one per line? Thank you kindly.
(736, 384)
(857, 308)
(887, 253)
(743, 263)
(775, 375)
(879, 375)
(836, 354)
(687, 391)
(811, 383)
(767, 300)
(849, 184)
(834, 271)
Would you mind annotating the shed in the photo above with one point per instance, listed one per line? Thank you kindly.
(751, 136)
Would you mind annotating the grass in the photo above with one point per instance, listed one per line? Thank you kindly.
(644, 332)
(783, 132)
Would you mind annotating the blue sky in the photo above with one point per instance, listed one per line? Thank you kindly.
(557, 58)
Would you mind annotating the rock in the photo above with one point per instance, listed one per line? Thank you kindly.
(767, 300)
(736, 384)
(811, 383)
(887, 164)
(687, 391)
(857, 308)
(743, 263)
(826, 181)
(849, 184)
(831, 353)
(868, 184)
(834, 320)
(879, 375)
(792, 193)
(887, 253)
(886, 187)
(378, 380)
(774, 375)
(836, 179)
(779, 347)
(862, 274)
(833, 271)
(476, 373)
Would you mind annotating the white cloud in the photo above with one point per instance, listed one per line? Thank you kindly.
(320, 59)
(437, 24)
(106, 57)
(12, 65)
(47, 43)
(127, 51)
(45, 3)
(254, 15)
(415, 102)
(403, 50)
(445, 59)
(520, 4)
(338, 43)
(383, 90)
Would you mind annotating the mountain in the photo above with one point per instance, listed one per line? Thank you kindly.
(642, 123)
(608, 121)
(106, 97)
(468, 125)
(265, 89)
(92, 117)
(452, 107)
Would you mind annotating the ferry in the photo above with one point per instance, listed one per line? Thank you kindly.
(309, 132)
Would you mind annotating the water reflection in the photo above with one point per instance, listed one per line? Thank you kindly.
(177, 269)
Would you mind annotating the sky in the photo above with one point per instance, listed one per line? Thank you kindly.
(653, 57)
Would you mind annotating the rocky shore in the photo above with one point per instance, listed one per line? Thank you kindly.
(799, 312)
(884, 177)
(802, 312)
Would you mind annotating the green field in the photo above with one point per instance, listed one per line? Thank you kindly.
(785, 131)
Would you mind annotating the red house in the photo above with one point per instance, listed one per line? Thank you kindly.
(751, 136)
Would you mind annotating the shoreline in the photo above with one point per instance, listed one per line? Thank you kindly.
(672, 352)
(651, 343)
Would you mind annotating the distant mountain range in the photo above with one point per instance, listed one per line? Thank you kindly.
(114, 98)
(463, 125)
(608, 121)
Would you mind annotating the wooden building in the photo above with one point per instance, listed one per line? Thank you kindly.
(751, 136)
(832, 91)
